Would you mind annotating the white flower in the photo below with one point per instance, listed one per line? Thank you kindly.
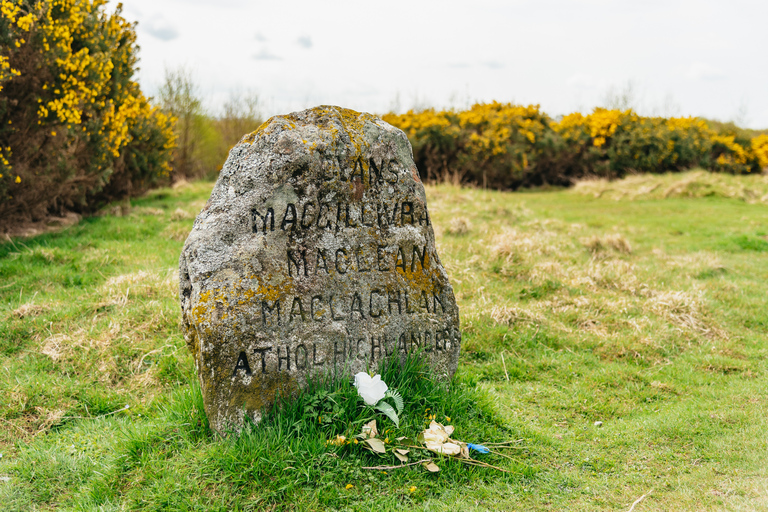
(370, 389)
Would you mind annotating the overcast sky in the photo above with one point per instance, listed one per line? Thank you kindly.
(681, 57)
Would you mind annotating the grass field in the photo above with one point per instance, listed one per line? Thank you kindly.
(643, 311)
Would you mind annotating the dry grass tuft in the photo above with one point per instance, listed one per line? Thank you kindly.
(544, 270)
(751, 189)
(119, 289)
(459, 226)
(601, 244)
(177, 232)
(28, 310)
(146, 210)
(697, 262)
(682, 310)
(513, 244)
(510, 315)
(55, 346)
(145, 379)
(131, 279)
(51, 417)
(610, 274)
(181, 184)
(179, 214)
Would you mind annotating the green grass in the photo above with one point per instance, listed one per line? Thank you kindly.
(644, 313)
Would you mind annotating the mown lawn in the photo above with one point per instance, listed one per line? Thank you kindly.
(619, 338)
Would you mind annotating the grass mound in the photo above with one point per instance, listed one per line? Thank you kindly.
(691, 184)
(288, 458)
(623, 343)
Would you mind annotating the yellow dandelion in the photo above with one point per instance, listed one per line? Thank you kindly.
(412, 489)
(18, 179)
(349, 486)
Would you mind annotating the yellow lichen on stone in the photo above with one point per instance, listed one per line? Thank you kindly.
(352, 121)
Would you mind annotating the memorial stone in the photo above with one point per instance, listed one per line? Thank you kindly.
(315, 254)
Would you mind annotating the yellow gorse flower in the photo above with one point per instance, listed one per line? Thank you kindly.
(83, 49)
(759, 146)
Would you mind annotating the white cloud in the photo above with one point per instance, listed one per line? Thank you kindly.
(704, 71)
(659, 43)
(160, 28)
(265, 54)
(304, 42)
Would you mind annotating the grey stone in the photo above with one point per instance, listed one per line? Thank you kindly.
(315, 254)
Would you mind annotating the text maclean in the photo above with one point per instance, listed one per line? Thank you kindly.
(373, 258)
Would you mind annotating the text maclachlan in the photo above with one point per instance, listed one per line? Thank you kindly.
(355, 306)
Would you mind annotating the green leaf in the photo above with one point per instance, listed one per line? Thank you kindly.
(397, 397)
(401, 457)
(389, 411)
(376, 445)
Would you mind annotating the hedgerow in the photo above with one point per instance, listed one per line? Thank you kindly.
(509, 146)
(75, 129)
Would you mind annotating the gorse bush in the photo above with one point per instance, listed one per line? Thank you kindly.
(508, 146)
(75, 129)
(499, 145)
(615, 142)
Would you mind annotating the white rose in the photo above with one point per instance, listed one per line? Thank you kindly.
(370, 389)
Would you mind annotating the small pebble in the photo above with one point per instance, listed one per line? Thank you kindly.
(598, 423)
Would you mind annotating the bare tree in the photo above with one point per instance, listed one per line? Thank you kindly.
(241, 114)
(179, 96)
(622, 98)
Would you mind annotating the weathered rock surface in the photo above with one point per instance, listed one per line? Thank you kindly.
(315, 253)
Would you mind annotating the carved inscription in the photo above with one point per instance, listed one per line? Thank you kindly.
(301, 356)
(372, 174)
(334, 216)
(373, 258)
(374, 303)
(358, 305)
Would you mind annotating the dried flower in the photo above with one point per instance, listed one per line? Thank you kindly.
(437, 438)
